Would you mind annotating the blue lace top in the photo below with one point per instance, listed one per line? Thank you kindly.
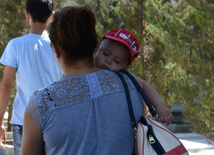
(86, 115)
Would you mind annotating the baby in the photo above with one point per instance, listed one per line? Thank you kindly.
(117, 50)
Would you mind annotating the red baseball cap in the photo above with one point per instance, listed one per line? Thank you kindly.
(126, 38)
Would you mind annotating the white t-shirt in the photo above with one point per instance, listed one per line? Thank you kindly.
(36, 67)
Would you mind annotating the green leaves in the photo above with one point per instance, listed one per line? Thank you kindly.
(185, 38)
(12, 20)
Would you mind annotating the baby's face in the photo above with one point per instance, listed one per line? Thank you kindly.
(112, 55)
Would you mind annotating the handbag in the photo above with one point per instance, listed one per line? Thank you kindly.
(151, 137)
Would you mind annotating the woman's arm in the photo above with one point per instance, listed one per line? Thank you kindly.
(32, 138)
(164, 115)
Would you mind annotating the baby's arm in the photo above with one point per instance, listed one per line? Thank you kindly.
(164, 115)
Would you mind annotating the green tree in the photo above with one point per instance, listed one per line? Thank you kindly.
(181, 62)
(12, 20)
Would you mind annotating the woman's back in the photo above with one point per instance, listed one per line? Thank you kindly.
(86, 115)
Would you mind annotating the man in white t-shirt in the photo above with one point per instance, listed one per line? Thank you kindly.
(31, 59)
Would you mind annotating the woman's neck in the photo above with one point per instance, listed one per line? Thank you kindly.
(79, 69)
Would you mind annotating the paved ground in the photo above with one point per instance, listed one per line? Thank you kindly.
(196, 144)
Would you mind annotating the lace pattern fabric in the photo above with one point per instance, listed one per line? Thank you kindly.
(73, 90)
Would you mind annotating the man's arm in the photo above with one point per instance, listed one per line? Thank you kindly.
(5, 91)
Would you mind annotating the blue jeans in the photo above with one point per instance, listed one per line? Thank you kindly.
(17, 138)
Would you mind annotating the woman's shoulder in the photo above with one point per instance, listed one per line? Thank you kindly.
(111, 75)
(41, 96)
(47, 98)
(109, 81)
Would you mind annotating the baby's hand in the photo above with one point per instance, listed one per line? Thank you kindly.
(164, 115)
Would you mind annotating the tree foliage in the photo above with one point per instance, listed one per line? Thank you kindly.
(12, 20)
(182, 39)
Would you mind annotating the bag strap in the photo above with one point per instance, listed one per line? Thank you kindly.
(140, 90)
(131, 112)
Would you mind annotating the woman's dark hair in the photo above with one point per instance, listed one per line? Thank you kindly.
(73, 33)
(40, 10)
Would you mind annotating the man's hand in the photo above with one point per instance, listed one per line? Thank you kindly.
(2, 136)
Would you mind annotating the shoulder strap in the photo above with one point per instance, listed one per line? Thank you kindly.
(140, 90)
(131, 112)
